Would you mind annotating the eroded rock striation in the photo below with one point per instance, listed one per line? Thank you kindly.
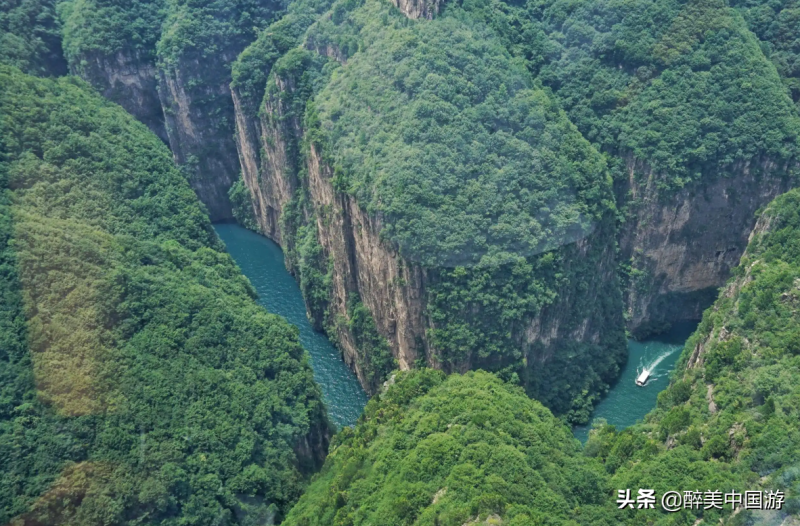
(541, 311)
(682, 247)
(168, 64)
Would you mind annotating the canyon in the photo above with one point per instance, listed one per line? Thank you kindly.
(679, 247)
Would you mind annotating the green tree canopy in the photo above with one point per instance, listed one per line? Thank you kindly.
(139, 380)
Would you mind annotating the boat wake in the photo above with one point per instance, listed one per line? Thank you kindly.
(650, 368)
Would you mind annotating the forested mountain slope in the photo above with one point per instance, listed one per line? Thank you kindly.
(776, 23)
(436, 450)
(139, 380)
(472, 450)
(418, 177)
(430, 251)
(168, 62)
(730, 416)
(695, 112)
(30, 37)
(112, 45)
(702, 127)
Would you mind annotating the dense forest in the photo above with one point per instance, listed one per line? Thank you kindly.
(451, 450)
(140, 381)
(168, 63)
(31, 37)
(438, 128)
(470, 449)
(479, 200)
(521, 225)
(729, 418)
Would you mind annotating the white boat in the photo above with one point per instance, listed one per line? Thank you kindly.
(642, 378)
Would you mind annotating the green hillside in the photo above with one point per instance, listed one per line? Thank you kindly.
(477, 176)
(775, 24)
(140, 382)
(729, 418)
(502, 151)
(103, 28)
(436, 450)
(30, 37)
(680, 85)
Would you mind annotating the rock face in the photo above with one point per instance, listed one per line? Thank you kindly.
(731, 290)
(199, 117)
(415, 9)
(195, 117)
(290, 189)
(362, 266)
(273, 183)
(169, 64)
(129, 79)
(683, 246)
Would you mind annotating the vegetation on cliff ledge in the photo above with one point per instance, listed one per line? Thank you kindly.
(681, 86)
(139, 380)
(729, 418)
(253, 66)
(479, 178)
(438, 450)
(775, 24)
(102, 28)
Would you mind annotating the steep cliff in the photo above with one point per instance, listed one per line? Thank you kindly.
(265, 126)
(198, 44)
(729, 416)
(415, 9)
(682, 246)
(112, 46)
(169, 64)
(701, 127)
(430, 250)
(199, 116)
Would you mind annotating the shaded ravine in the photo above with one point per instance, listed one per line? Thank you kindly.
(261, 260)
(626, 402)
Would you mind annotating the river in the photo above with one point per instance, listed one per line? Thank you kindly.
(626, 402)
(261, 260)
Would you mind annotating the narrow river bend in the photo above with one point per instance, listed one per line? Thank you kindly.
(261, 260)
(626, 402)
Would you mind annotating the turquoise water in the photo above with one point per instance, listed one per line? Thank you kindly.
(626, 402)
(261, 261)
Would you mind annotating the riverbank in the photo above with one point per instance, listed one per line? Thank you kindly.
(626, 403)
(261, 260)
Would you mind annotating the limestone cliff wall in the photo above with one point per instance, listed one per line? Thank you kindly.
(200, 125)
(731, 289)
(128, 78)
(366, 267)
(391, 288)
(362, 265)
(265, 145)
(187, 104)
(684, 244)
(415, 9)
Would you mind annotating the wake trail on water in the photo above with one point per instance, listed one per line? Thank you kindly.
(651, 367)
